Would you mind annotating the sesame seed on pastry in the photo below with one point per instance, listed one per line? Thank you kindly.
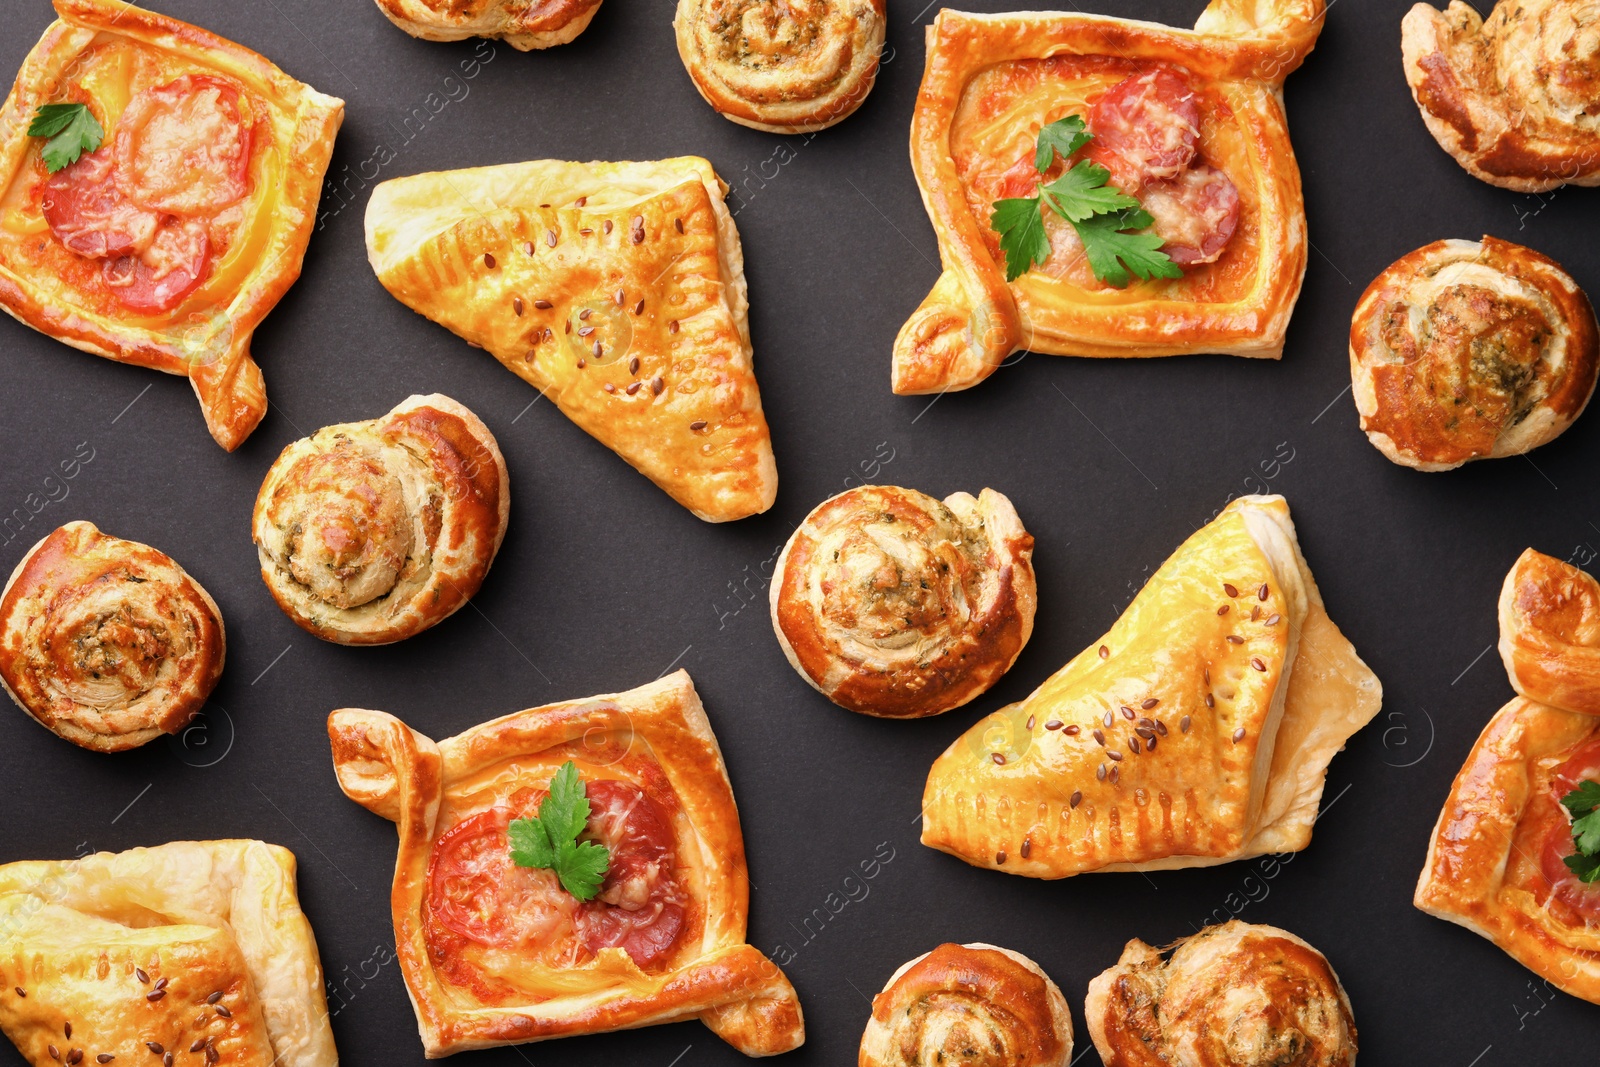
(1468, 350)
(892, 603)
(784, 66)
(1515, 98)
(108, 643)
(370, 532)
(522, 24)
(974, 1005)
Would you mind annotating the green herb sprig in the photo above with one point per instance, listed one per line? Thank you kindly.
(72, 129)
(550, 840)
(1584, 804)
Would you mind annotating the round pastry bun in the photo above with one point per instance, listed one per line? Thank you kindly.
(891, 603)
(1233, 995)
(783, 66)
(107, 643)
(370, 532)
(524, 26)
(976, 1004)
(1468, 350)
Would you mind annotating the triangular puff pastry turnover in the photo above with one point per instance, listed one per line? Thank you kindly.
(1197, 731)
(616, 289)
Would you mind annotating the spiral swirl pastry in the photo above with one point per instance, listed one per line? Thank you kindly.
(370, 532)
(968, 1006)
(1235, 995)
(1514, 98)
(894, 604)
(106, 642)
(1550, 632)
(1464, 350)
(784, 66)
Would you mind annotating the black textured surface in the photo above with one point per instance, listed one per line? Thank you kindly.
(604, 582)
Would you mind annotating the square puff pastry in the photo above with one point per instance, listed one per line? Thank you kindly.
(616, 289)
(131, 955)
(1197, 731)
(992, 81)
(104, 51)
(655, 739)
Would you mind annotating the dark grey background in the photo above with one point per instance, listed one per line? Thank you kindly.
(604, 582)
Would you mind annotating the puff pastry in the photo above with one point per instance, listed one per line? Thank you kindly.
(892, 603)
(1514, 98)
(974, 1005)
(1464, 350)
(128, 256)
(194, 951)
(784, 66)
(616, 289)
(107, 643)
(370, 532)
(495, 954)
(1197, 731)
(523, 24)
(991, 83)
(1496, 862)
(1235, 995)
(1550, 632)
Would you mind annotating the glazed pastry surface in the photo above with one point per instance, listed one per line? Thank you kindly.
(616, 289)
(784, 66)
(1515, 98)
(125, 254)
(1468, 350)
(892, 603)
(370, 532)
(1550, 632)
(495, 954)
(1198, 730)
(993, 81)
(107, 643)
(974, 1005)
(523, 24)
(195, 951)
(1235, 995)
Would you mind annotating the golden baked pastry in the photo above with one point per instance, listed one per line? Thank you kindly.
(1197, 731)
(1550, 632)
(193, 952)
(105, 642)
(784, 66)
(370, 532)
(494, 953)
(616, 289)
(1196, 114)
(523, 24)
(1468, 350)
(892, 603)
(1514, 98)
(974, 1005)
(168, 244)
(1234, 995)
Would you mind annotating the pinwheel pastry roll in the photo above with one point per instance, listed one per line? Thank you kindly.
(1235, 995)
(158, 186)
(522, 24)
(1172, 223)
(1515, 98)
(892, 603)
(616, 289)
(569, 869)
(974, 1005)
(107, 643)
(784, 66)
(194, 952)
(1550, 632)
(1197, 730)
(1468, 350)
(370, 532)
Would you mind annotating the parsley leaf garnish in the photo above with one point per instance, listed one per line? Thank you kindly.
(550, 840)
(72, 129)
(1098, 211)
(1584, 804)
